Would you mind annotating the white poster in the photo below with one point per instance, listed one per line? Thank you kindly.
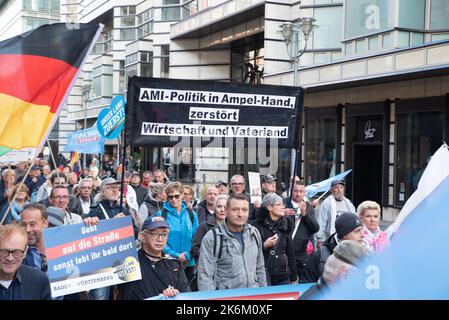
(16, 156)
(254, 187)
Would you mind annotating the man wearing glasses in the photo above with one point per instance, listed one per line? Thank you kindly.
(59, 197)
(237, 183)
(17, 281)
(161, 274)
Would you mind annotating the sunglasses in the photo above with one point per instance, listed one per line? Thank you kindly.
(174, 196)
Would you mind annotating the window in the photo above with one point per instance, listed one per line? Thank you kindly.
(386, 40)
(412, 13)
(360, 46)
(320, 149)
(131, 58)
(439, 37)
(367, 16)
(348, 49)
(128, 34)
(122, 79)
(128, 10)
(171, 13)
(328, 35)
(319, 58)
(419, 135)
(439, 11)
(373, 43)
(128, 21)
(403, 39)
(165, 61)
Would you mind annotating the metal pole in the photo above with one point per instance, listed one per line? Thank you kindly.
(85, 126)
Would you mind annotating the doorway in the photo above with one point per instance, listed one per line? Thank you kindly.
(367, 173)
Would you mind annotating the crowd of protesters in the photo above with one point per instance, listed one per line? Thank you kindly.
(185, 242)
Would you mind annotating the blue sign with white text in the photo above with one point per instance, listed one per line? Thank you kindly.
(82, 258)
(112, 120)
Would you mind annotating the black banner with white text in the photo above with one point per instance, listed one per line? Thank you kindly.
(163, 111)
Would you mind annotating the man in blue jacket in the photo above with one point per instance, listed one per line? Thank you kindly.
(19, 282)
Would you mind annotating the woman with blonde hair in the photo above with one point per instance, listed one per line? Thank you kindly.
(373, 237)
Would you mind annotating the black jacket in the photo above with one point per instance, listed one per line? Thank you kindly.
(202, 212)
(141, 193)
(152, 205)
(307, 227)
(33, 284)
(281, 264)
(201, 231)
(111, 209)
(156, 277)
(315, 267)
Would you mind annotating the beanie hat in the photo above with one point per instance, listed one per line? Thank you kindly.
(346, 223)
(350, 252)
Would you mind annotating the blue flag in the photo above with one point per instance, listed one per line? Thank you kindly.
(325, 185)
(86, 141)
(415, 264)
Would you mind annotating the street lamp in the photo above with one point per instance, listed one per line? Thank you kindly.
(290, 34)
(85, 92)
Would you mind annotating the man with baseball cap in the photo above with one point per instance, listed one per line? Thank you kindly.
(222, 187)
(331, 209)
(348, 227)
(34, 181)
(161, 274)
(268, 184)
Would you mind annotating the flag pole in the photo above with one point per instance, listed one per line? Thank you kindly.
(53, 159)
(123, 163)
(297, 167)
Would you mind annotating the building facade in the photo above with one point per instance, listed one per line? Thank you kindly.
(19, 16)
(375, 74)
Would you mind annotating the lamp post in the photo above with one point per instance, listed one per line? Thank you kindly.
(290, 33)
(85, 92)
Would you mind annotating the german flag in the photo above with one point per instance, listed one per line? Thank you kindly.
(37, 71)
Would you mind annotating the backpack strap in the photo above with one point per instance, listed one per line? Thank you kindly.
(220, 249)
(190, 215)
(164, 213)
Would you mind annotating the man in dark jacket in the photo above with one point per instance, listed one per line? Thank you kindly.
(206, 207)
(34, 181)
(141, 192)
(348, 227)
(19, 282)
(302, 215)
(161, 274)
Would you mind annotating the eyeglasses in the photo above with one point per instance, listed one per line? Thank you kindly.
(60, 197)
(174, 196)
(237, 184)
(15, 253)
(156, 235)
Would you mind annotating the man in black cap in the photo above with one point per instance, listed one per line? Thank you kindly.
(346, 256)
(330, 210)
(222, 187)
(348, 227)
(161, 274)
(268, 184)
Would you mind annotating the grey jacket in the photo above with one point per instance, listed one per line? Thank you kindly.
(234, 269)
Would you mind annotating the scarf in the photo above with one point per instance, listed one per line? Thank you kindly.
(376, 241)
(16, 210)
